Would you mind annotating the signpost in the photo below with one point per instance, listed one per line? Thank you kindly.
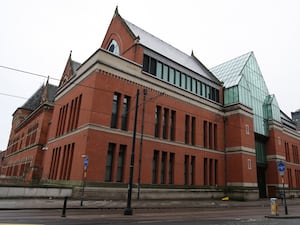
(86, 162)
(281, 168)
(85, 166)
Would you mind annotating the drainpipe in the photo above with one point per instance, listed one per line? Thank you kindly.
(225, 155)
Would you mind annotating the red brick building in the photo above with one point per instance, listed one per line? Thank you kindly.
(23, 159)
(213, 129)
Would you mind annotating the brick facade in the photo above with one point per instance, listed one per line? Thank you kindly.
(190, 138)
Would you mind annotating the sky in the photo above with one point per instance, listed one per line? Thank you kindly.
(38, 35)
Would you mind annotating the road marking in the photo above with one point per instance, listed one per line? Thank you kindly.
(19, 224)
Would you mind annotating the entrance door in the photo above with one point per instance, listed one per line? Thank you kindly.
(261, 180)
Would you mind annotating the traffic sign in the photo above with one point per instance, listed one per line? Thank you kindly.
(86, 162)
(281, 168)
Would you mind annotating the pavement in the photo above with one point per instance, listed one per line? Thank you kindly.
(55, 203)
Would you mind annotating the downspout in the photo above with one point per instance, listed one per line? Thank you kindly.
(225, 157)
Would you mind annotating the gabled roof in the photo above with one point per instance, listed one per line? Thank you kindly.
(37, 98)
(230, 72)
(69, 71)
(157, 45)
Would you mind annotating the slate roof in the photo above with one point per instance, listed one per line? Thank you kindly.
(75, 65)
(230, 72)
(155, 44)
(36, 99)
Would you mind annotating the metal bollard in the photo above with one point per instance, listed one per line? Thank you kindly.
(65, 207)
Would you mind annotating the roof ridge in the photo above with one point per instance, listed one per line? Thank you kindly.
(155, 37)
(233, 59)
(168, 51)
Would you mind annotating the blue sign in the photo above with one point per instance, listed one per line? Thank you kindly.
(281, 167)
(86, 161)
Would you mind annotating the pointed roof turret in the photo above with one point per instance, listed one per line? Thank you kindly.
(44, 93)
(69, 71)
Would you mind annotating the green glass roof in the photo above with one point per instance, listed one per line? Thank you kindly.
(244, 84)
(230, 71)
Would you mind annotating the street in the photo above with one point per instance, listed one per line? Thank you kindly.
(187, 216)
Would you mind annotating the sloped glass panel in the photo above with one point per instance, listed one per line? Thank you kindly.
(260, 152)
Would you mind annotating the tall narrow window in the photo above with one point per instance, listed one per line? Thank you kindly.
(146, 63)
(210, 171)
(177, 78)
(186, 169)
(213, 94)
(193, 133)
(58, 125)
(77, 113)
(297, 175)
(210, 135)
(205, 134)
(163, 168)
(216, 172)
(109, 161)
(193, 170)
(198, 87)
(55, 161)
(172, 76)
(165, 123)
(194, 86)
(115, 109)
(165, 73)
(153, 66)
(173, 125)
(155, 166)
(159, 70)
(205, 171)
(67, 159)
(215, 136)
(71, 116)
(295, 154)
(287, 152)
(217, 95)
(188, 83)
(125, 112)
(208, 92)
(157, 121)
(183, 81)
(121, 162)
(187, 129)
(171, 168)
(203, 90)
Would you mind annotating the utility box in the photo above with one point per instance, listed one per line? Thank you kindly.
(274, 206)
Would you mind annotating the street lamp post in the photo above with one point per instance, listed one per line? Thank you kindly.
(141, 145)
(284, 197)
(128, 209)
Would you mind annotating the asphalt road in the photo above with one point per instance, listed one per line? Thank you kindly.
(205, 216)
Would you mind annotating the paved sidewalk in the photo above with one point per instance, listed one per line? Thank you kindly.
(45, 203)
(27, 204)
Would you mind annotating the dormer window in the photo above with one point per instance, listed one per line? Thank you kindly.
(114, 47)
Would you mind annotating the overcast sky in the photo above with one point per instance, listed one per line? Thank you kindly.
(37, 36)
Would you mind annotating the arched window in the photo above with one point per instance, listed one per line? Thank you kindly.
(114, 47)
